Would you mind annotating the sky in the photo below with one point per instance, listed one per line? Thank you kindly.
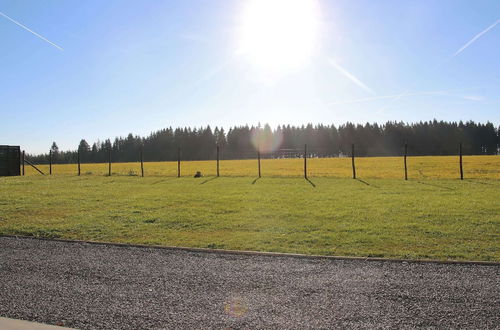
(98, 69)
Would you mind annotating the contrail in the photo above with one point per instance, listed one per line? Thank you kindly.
(351, 76)
(29, 30)
(477, 36)
(396, 98)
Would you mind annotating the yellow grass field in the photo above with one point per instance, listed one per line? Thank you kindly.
(427, 167)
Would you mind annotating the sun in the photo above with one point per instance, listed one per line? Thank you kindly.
(278, 35)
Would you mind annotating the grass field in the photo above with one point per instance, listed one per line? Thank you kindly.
(445, 167)
(439, 218)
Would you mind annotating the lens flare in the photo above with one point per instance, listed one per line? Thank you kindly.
(266, 141)
(235, 307)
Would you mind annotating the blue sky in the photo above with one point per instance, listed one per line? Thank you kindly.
(139, 66)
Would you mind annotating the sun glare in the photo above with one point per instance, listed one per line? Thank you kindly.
(278, 35)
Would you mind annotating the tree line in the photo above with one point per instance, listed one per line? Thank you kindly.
(423, 138)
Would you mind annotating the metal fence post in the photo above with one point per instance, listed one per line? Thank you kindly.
(142, 165)
(109, 161)
(23, 156)
(179, 162)
(406, 169)
(461, 167)
(353, 165)
(217, 161)
(305, 161)
(258, 159)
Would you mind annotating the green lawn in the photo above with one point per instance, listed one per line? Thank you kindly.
(431, 219)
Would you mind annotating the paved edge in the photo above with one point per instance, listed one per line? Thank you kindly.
(15, 324)
(259, 253)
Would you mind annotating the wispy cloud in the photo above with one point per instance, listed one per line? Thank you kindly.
(212, 72)
(194, 37)
(350, 76)
(29, 30)
(446, 92)
(477, 36)
(382, 97)
(473, 97)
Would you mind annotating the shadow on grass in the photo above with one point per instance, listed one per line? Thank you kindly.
(366, 183)
(312, 183)
(208, 180)
(254, 181)
(479, 182)
(435, 185)
(160, 181)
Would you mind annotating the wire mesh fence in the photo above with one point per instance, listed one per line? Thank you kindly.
(289, 162)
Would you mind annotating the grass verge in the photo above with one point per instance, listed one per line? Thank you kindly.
(426, 219)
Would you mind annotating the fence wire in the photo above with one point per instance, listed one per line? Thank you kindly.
(291, 163)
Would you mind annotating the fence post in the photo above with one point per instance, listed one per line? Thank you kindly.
(109, 161)
(142, 165)
(179, 162)
(305, 161)
(258, 159)
(78, 162)
(50, 162)
(22, 162)
(353, 165)
(217, 161)
(406, 169)
(461, 168)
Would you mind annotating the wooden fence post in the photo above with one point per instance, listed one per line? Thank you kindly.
(78, 162)
(461, 167)
(217, 161)
(406, 169)
(22, 161)
(109, 161)
(305, 161)
(258, 159)
(142, 165)
(353, 165)
(179, 162)
(50, 162)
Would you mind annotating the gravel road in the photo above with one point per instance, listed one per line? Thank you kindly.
(92, 286)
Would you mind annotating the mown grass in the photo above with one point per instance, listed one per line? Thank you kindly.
(432, 167)
(431, 219)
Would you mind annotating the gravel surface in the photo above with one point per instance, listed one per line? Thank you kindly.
(93, 286)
